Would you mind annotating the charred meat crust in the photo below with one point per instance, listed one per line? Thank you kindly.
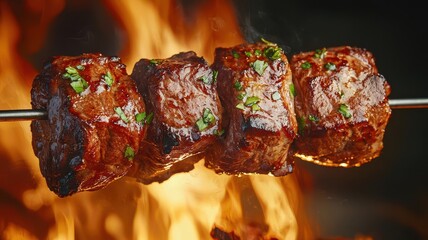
(180, 92)
(341, 106)
(259, 118)
(82, 145)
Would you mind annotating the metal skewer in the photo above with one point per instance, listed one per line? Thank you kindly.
(32, 114)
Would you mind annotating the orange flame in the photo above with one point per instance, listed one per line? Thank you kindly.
(188, 205)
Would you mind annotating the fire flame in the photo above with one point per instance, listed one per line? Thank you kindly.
(188, 205)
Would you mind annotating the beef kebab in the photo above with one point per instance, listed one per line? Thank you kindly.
(250, 112)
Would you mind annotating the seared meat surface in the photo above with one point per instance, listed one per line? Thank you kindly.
(254, 87)
(341, 106)
(181, 94)
(91, 135)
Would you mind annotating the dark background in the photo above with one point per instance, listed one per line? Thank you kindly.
(385, 199)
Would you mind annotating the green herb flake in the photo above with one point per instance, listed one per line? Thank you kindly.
(255, 108)
(259, 66)
(205, 79)
(108, 79)
(149, 118)
(201, 124)
(206, 119)
(129, 153)
(219, 133)
(77, 82)
(313, 118)
(320, 53)
(237, 85)
(248, 54)
(121, 114)
(330, 66)
(257, 52)
(306, 65)
(141, 117)
(80, 67)
(292, 90)
(208, 116)
(268, 42)
(251, 101)
(240, 106)
(215, 74)
(344, 110)
(235, 54)
(301, 125)
(241, 96)
(273, 53)
(154, 61)
(276, 96)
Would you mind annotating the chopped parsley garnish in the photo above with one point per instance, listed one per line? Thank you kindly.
(237, 85)
(330, 66)
(208, 116)
(154, 61)
(255, 107)
(77, 82)
(313, 118)
(121, 114)
(80, 67)
(108, 79)
(240, 106)
(129, 153)
(320, 53)
(215, 74)
(149, 118)
(292, 90)
(206, 119)
(219, 133)
(257, 52)
(306, 65)
(248, 54)
(141, 117)
(268, 43)
(241, 96)
(235, 54)
(276, 96)
(301, 124)
(209, 80)
(273, 53)
(205, 79)
(250, 101)
(344, 110)
(259, 66)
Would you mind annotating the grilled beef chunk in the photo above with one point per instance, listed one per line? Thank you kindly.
(254, 87)
(181, 94)
(341, 106)
(91, 134)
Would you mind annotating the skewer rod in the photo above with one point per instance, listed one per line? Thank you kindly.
(408, 103)
(31, 114)
(22, 114)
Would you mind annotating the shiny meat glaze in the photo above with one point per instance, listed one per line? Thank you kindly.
(176, 93)
(85, 144)
(256, 139)
(342, 111)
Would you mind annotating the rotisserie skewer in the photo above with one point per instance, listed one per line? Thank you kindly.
(257, 96)
(32, 114)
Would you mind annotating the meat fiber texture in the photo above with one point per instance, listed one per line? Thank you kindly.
(341, 106)
(181, 93)
(253, 83)
(91, 135)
